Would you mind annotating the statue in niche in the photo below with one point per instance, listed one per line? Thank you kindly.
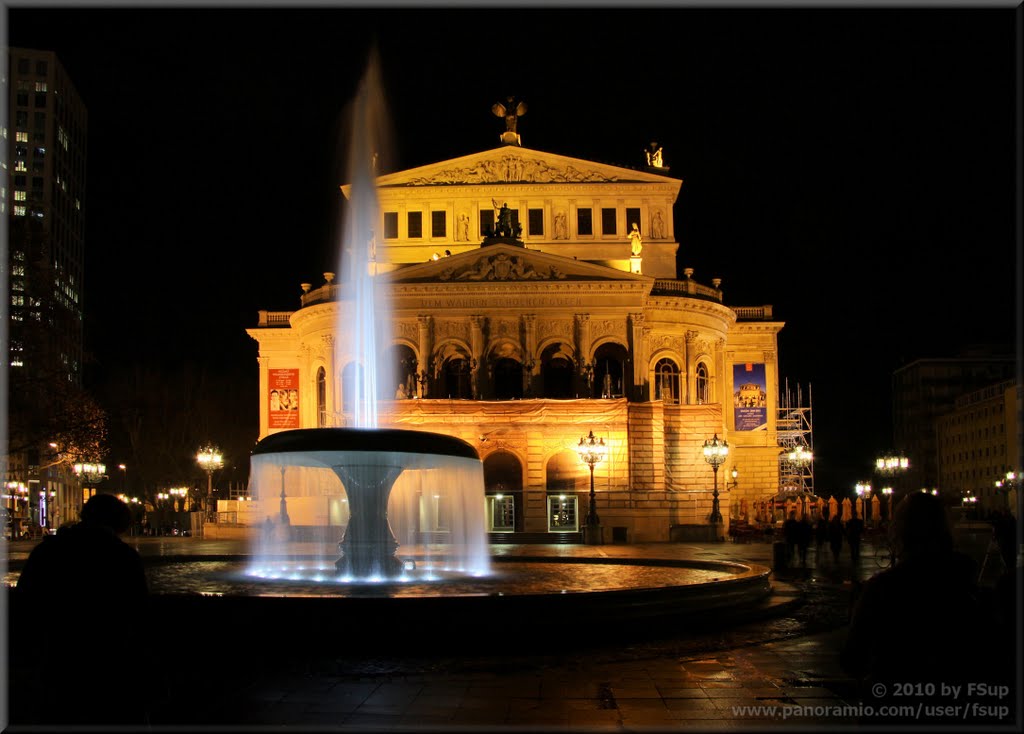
(657, 226)
(510, 111)
(462, 230)
(560, 228)
(635, 241)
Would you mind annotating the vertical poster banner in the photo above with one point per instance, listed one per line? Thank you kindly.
(284, 398)
(750, 401)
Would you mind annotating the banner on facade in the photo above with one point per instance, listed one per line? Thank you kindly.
(284, 398)
(750, 399)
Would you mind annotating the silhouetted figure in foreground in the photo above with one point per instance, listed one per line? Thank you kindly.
(902, 642)
(835, 536)
(84, 593)
(854, 531)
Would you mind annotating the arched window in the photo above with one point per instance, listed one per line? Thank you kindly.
(610, 378)
(557, 372)
(321, 397)
(503, 479)
(456, 381)
(703, 391)
(508, 379)
(564, 472)
(666, 381)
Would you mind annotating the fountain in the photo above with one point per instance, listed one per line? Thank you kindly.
(423, 471)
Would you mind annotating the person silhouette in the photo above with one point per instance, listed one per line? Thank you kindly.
(821, 536)
(87, 571)
(835, 536)
(854, 531)
(899, 629)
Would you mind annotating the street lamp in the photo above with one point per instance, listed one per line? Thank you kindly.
(210, 459)
(592, 451)
(863, 490)
(715, 453)
(89, 474)
(1011, 483)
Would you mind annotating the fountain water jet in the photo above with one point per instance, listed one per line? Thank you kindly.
(422, 470)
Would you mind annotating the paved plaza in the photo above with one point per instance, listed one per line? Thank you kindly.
(776, 672)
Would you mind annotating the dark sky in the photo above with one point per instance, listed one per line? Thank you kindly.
(852, 167)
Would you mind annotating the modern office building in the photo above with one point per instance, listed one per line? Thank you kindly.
(43, 199)
(927, 389)
(978, 444)
(524, 316)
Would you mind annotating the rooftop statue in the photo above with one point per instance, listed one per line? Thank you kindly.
(510, 111)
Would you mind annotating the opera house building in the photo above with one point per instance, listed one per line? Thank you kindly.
(527, 312)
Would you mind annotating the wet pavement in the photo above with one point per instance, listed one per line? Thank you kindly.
(778, 672)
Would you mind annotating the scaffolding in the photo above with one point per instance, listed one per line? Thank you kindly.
(796, 441)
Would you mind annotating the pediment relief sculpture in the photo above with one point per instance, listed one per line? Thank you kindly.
(502, 266)
(513, 168)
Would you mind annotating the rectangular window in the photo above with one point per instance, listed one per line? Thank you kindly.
(584, 222)
(390, 225)
(535, 222)
(608, 221)
(41, 99)
(41, 68)
(415, 221)
(487, 221)
(438, 224)
(21, 137)
(40, 86)
(633, 217)
(562, 513)
(19, 211)
(19, 196)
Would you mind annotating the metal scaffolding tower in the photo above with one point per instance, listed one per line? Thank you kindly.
(796, 440)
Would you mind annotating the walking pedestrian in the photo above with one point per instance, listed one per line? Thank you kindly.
(835, 536)
(854, 531)
(821, 535)
(803, 539)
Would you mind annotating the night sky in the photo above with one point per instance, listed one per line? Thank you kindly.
(852, 167)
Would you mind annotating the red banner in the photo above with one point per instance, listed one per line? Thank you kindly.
(284, 398)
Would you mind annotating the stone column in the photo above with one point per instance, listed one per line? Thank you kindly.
(424, 322)
(639, 348)
(691, 338)
(529, 322)
(583, 339)
(264, 363)
(476, 340)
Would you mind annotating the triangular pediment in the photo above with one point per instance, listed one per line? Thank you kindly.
(513, 164)
(508, 263)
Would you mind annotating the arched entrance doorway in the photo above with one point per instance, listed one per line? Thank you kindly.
(503, 482)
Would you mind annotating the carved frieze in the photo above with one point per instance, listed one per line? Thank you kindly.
(504, 327)
(502, 266)
(554, 327)
(608, 327)
(513, 168)
(450, 329)
(407, 330)
(667, 341)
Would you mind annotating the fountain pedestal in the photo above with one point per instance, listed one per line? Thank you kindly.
(369, 546)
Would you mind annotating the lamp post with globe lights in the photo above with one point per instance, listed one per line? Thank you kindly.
(210, 460)
(592, 451)
(892, 465)
(89, 474)
(715, 453)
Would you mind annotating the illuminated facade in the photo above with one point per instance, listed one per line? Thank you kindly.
(978, 444)
(522, 346)
(43, 199)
